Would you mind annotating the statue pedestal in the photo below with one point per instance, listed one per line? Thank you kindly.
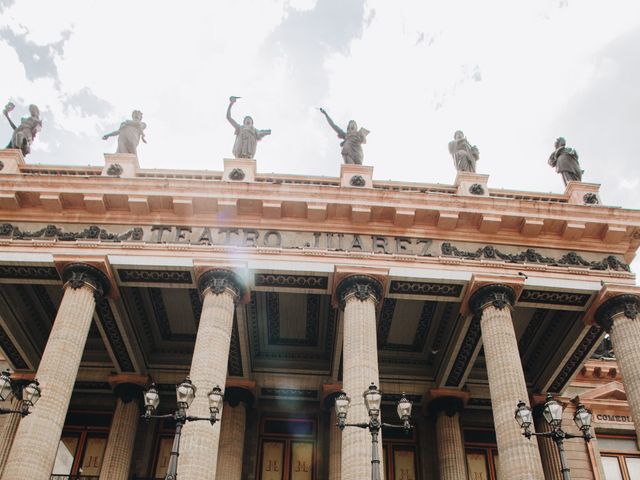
(123, 165)
(356, 176)
(580, 193)
(11, 159)
(472, 184)
(239, 170)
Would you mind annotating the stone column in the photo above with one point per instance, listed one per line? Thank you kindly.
(39, 433)
(335, 447)
(548, 449)
(358, 295)
(452, 463)
(621, 318)
(11, 423)
(199, 447)
(519, 457)
(232, 431)
(122, 434)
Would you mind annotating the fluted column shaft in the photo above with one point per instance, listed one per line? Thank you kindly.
(335, 448)
(122, 437)
(358, 295)
(34, 449)
(451, 458)
(620, 316)
(200, 440)
(519, 457)
(548, 451)
(9, 430)
(232, 431)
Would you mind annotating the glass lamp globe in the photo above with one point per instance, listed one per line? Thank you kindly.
(552, 412)
(185, 393)
(372, 399)
(216, 397)
(523, 415)
(404, 408)
(31, 393)
(5, 385)
(342, 405)
(151, 398)
(582, 418)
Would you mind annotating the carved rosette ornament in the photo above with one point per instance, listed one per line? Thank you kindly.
(78, 275)
(357, 181)
(115, 170)
(622, 305)
(590, 198)
(221, 281)
(236, 174)
(476, 189)
(361, 287)
(496, 295)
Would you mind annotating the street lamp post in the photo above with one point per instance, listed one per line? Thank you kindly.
(29, 393)
(552, 412)
(372, 400)
(185, 393)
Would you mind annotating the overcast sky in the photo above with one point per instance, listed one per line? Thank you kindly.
(513, 75)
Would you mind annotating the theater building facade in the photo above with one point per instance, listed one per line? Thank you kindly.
(285, 290)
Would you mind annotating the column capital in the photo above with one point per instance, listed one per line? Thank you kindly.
(77, 275)
(361, 287)
(330, 391)
(128, 387)
(446, 400)
(627, 305)
(497, 295)
(218, 281)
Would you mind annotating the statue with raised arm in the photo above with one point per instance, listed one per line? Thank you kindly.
(25, 133)
(464, 154)
(129, 134)
(352, 139)
(247, 135)
(565, 161)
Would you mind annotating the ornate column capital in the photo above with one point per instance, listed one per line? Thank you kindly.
(77, 275)
(361, 287)
(235, 395)
(627, 305)
(446, 400)
(497, 295)
(128, 387)
(218, 281)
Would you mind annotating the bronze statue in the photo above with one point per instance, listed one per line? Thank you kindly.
(247, 135)
(565, 160)
(352, 140)
(24, 135)
(129, 134)
(464, 154)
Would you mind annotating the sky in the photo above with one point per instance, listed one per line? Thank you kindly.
(513, 75)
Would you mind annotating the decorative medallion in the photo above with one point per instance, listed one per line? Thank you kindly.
(357, 181)
(476, 189)
(590, 199)
(115, 170)
(236, 174)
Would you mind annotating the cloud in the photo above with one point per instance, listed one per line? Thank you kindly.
(39, 61)
(87, 103)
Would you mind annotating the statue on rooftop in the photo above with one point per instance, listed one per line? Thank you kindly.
(565, 160)
(24, 134)
(129, 134)
(247, 135)
(352, 139)
(464, 154)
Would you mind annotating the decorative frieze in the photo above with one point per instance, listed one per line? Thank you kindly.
(128, 275)
(312, 282)
(406, 287)
(548, 297)
(114, 336)
(469, 344)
